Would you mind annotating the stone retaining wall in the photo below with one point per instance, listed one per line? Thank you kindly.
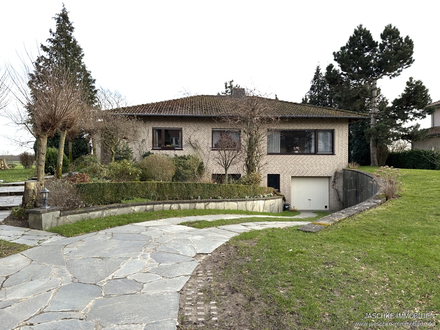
(52, 217)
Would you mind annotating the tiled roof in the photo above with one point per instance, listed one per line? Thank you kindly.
(434, 104)
(220, 106)
(433, 131)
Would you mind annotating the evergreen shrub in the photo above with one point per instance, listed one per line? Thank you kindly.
(416, 159)
(104, 193)
(51, 161)
(189, 168)
(123, 171)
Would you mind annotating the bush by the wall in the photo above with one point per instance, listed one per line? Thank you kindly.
(114, 192)
(157, 167)
(51, 161)
(417, 159)
(123, 171)
(188, 168)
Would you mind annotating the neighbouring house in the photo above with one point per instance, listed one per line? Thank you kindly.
(304, 147)
(433, 139)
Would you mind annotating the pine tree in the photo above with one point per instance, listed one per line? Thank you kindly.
(365, 61)
(319, 93)
(63, 52)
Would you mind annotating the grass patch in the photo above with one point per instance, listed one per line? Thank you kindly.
(206, 224)
(385, 260)
(9, 248)
(87, 226)
(17, 174)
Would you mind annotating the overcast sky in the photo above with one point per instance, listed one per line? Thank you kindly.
(152, 51)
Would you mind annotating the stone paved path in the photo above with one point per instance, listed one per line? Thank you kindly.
(126, 277)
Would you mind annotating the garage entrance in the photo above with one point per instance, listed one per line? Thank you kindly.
(310, 193)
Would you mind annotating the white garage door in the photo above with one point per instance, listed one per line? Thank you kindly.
(310, 193)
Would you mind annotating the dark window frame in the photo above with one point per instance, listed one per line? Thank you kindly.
(164, 147)
(277, 178)
(315, 140)
(225, 130)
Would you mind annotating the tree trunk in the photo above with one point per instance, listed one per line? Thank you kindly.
(373, 147)
(59, 169)
(71, 151)
(30, 196)
(226, 181)
(41, 157)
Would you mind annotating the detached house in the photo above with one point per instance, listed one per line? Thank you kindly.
(433, 140)
(304, 146)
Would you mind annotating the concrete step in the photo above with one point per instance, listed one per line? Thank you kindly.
(8, 202)
(11, 190)
(12, 184)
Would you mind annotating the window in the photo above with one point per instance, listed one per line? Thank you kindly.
(167, 138)
(225, 139)
(300, 142)
(273, 180)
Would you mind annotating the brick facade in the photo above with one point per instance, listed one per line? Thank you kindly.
(197, 137)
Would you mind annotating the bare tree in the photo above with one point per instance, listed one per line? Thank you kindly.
(3, 90)
(46, 103)
(114, 129)
(228, 152)
(251, 114)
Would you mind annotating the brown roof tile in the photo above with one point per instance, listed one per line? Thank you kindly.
(219, 105)
(434, 104)
(433, 131)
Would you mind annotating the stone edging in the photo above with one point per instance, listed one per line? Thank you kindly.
(336, 217)
(52, 217)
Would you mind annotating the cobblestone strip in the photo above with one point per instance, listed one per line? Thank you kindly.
(198, 311)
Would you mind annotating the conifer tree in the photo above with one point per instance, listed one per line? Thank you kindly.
(366, 61)
(64, 53)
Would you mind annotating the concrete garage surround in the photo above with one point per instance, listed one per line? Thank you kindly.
(44, 219)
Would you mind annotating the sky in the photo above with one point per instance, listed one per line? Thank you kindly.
(153, 51)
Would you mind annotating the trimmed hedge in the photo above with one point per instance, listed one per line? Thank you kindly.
(416, 159)
(114, 192)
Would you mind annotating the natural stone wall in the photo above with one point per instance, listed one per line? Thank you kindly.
(52, 217)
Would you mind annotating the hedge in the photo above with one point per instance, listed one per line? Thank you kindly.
(416, 159)
(114, 192)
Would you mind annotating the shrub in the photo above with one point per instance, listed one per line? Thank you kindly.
(83, 162)
(252, 179)
(89, 165)
(146, 154)
(417, 159)
(51, 161)
(189, 168)
(353, 165)
(123, 151)
(27, 159)
(157, 168)
(123, 171)
(78, 178)
(12, 165)
(62, 194)
(390, 180)
(104, 193)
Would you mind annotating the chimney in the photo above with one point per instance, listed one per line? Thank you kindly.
(238, 93)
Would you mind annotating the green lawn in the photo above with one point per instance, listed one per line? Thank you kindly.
(16, 174)
(206, 224)
(385, 260)
(87, 226)
(9, 248)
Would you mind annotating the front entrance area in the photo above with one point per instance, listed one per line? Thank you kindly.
(310, 193)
